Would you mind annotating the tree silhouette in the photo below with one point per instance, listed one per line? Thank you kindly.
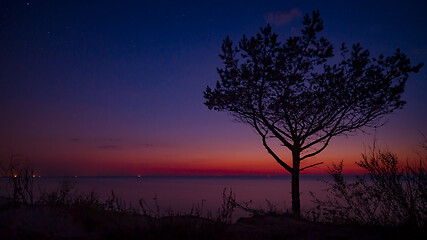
(297, 93)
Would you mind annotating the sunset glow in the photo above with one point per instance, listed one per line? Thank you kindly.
(98, 89)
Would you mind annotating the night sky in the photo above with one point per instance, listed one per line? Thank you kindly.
(113, 88)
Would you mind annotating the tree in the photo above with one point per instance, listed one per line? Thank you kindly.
(297, 93)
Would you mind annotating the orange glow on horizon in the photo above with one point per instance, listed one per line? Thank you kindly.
(213, 167)
(228, 159)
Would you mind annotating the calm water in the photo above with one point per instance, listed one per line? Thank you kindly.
(180, 193)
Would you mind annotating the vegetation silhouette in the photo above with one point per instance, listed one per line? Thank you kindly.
(390, 194)
(295, 94)
(20, 175)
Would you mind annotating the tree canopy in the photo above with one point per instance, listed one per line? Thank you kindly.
(300, 93)
(291, 91)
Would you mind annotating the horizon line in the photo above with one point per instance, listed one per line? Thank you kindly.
(188, 176)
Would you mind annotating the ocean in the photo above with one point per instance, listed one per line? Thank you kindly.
(180, 194)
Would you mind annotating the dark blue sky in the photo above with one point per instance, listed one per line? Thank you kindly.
(90, 82)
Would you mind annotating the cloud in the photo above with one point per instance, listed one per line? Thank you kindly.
(108, 143)
(419, 51)
(106, 147)
(89, 140)
(279, 18)
(71, 139)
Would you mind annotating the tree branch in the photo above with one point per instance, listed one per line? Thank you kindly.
(269, 150)
(283, 164)
(310, 166)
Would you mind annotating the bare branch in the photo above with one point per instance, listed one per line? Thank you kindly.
(301, 169)
(270, 151)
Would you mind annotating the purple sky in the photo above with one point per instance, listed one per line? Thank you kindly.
(109, 88)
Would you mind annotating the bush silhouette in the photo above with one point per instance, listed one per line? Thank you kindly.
(390, 194)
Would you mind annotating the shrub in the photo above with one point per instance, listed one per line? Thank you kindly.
(390, 194)
(20, 177)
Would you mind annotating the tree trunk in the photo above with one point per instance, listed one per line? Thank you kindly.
(296, 208)
(296, 205)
